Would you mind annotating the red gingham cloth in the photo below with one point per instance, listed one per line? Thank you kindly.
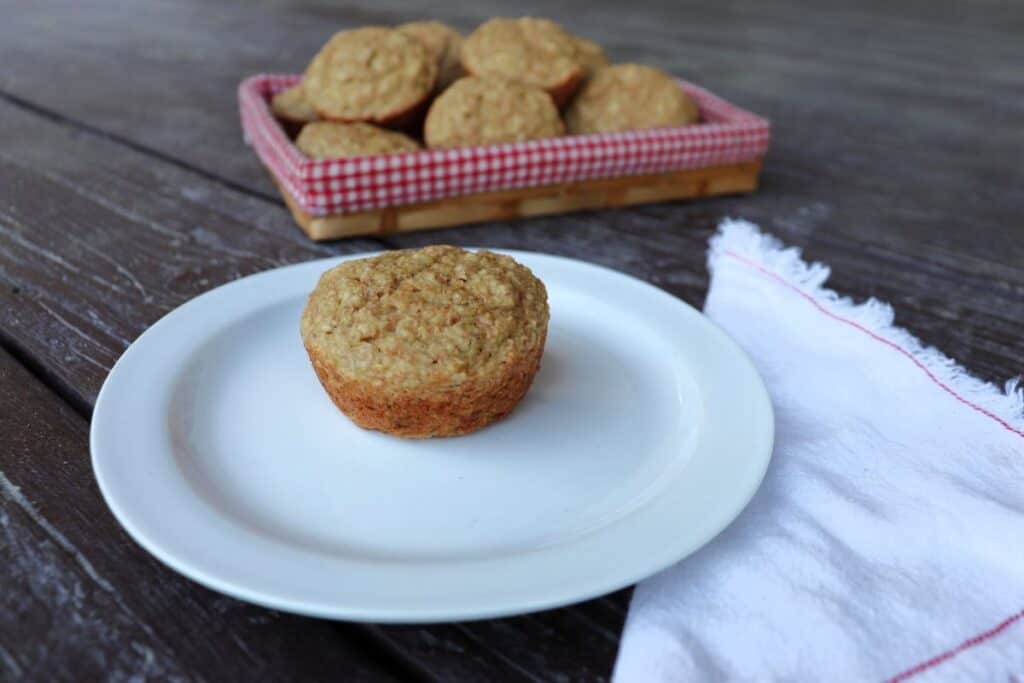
(726, 135)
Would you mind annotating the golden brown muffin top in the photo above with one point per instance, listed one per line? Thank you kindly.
(292, 105)
(443, 42)
(590, 55)
(479, 111)
(630, 97)
(436, 316)
(537, 52)
(327, 140)
(369, 74)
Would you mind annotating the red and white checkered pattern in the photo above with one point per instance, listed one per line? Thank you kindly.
(725, 135)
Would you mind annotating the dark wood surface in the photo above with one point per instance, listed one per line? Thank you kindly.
(125, 190)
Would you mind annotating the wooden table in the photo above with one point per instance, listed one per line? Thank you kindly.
(125, 190)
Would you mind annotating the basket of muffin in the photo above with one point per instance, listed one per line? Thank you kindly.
(412, 127)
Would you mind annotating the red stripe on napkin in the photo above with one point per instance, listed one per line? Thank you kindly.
(966, 645)
(942, 385)
(1009, 621)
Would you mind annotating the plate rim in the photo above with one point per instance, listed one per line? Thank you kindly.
(238, 589)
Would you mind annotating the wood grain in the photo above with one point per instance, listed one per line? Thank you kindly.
(125, 190)
(82, 602)
(508, 205)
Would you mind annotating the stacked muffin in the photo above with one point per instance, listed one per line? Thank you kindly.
(378, 90)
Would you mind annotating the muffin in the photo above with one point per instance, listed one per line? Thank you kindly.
(329, 140)
(630, 97)
(536, 52)
(292, 106)
(444, 43)
(590, 55)
(375, 75)
(426, 342)
(479, 111)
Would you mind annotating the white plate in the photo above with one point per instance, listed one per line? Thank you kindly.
(645, 433)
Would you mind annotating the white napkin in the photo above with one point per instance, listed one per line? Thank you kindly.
(887, 541)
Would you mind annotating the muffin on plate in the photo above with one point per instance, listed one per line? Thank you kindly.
(437, 341)
(536, 52)
(630, 97)
(444, 43)
(292, 106)
(480, 111)
(374, 75)
(329, 140)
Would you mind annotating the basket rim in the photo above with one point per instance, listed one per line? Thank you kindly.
(300, 176)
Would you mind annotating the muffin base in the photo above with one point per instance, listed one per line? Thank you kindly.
(427, 413)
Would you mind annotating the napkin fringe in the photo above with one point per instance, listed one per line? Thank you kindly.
(742, 242)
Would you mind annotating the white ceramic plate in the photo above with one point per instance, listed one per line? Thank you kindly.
(645, 433)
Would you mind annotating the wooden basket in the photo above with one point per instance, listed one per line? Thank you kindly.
(604, 193)
(336, 198)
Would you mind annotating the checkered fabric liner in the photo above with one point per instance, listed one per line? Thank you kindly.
(726, 135)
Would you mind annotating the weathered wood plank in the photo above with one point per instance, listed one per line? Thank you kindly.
(48, 584)
(572, 644)
(97, 242)
(895, 159)
(82, 602)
